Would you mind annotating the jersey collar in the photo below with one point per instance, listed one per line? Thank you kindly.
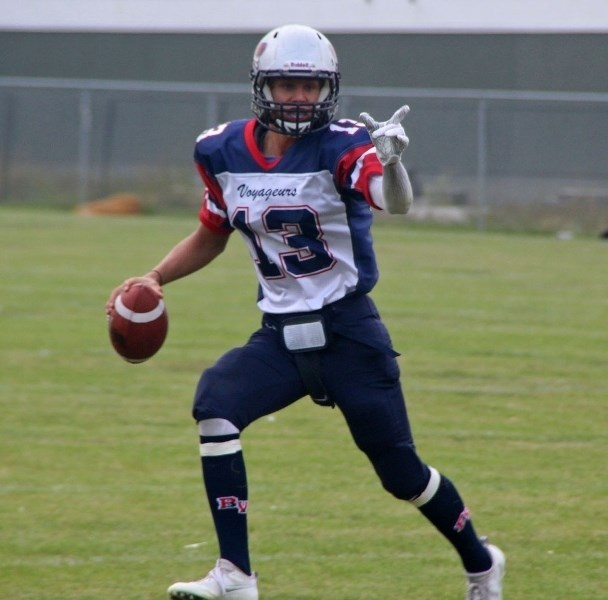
(263, 161)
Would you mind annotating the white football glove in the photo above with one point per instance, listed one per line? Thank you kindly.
(388, 136)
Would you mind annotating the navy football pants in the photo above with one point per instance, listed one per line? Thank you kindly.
(361, 376)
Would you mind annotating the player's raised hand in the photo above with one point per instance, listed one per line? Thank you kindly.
(388, 137)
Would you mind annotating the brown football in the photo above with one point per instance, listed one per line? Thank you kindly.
(138, 324)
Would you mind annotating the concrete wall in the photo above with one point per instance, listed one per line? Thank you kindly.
(546, 62)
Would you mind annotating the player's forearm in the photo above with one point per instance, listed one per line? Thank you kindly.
(396, 189)
(393, 191)
(188, 256)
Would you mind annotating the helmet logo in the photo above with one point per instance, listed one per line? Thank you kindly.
(300, 65)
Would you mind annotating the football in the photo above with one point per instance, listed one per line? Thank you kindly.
(138, 324)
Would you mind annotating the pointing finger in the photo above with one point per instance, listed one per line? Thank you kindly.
(399, 114)
(369, 121)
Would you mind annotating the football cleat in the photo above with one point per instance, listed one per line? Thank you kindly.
(224, 582)
(488, 585)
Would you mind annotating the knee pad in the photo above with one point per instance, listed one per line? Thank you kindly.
(401, 472)
(219, 389)
(207, 404)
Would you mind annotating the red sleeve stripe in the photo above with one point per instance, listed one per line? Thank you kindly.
(367, 166)
(213, 216)
(213, 207)
(213, 210)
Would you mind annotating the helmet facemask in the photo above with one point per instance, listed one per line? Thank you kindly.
(298, 118)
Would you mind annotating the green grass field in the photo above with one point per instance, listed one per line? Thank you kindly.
(505, 362)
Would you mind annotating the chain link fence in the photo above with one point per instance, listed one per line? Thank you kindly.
(490, 159)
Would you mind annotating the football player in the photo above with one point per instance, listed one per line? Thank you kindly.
(299, 186)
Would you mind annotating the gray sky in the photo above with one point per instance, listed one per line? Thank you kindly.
(439, 16)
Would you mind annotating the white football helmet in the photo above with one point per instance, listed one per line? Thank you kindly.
(295, 51)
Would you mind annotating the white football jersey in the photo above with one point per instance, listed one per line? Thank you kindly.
(305, 216)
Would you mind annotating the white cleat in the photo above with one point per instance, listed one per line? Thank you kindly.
(224, 582)
(488, 585)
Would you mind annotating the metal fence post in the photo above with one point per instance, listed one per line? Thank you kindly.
(84, 145)
(6, 143)
(482, 162)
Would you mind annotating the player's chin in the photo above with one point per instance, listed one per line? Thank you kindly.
(293, 127)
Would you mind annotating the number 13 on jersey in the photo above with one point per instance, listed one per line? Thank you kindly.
(297, 229)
